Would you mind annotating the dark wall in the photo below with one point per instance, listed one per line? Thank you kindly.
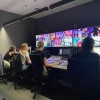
(6, 16)
(83, 15)
(16, 33)
(21, 31)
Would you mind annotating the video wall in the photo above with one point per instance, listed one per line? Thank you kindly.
(70, 38)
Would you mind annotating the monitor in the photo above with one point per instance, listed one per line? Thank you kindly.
(62, 39)
(65, 51)
(45, 38)
(96, 35)
(80, 34)
(60, 51)
(97, 50)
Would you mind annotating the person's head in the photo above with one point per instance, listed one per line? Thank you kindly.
(87, 44)
(40, 44)
(12, 49)
(24, 46)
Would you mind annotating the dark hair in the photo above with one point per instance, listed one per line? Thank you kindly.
(87, 44)
(11, 49)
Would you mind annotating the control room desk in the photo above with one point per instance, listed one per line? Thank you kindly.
(58, 74)
(60, 67)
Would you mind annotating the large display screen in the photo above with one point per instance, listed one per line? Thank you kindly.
(80, 34)
(61, 39)
(70, 38)
(45, 38)
(96, 35)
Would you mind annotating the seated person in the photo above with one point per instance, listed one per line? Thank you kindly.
(24, 55)
(39, 50)
(9, 56)
(87, 50)
(86, 53)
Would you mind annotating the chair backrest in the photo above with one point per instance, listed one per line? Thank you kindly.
(1, 64)
(18, 63)
(84, 69)
(37, 66)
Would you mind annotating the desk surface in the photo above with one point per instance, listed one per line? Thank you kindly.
(60, 67)
(62, 62)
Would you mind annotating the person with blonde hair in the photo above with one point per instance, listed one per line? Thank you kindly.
(39, 50)
(24, 55)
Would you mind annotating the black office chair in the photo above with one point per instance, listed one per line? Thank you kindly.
(38, 77)
(3, 74)
(85, 77)
(20, 75)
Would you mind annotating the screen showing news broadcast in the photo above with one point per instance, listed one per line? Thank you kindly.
(80, 34)
(61, 39)
(45, 38)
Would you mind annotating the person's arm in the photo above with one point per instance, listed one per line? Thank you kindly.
(11, 53)
(48, 65)
(28, 58)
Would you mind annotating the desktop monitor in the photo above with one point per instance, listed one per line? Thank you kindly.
(45, 38)
(65, 51)
(80, 34)
(97, 50)
(62, 39)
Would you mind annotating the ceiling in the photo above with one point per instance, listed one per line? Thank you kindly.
(24, 7)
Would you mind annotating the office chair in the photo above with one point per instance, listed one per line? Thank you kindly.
(20, 75)
(3, 75)
(85, 77)
(38, 77)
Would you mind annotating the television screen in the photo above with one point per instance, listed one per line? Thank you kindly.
(80, 34)
(45, 38)
(62, 39)
(96, 35)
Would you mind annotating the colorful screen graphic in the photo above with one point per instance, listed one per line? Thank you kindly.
(80, 34)
(96, 35)
(61, 39)
(70, 38)
(53, 42)
(45, 38)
